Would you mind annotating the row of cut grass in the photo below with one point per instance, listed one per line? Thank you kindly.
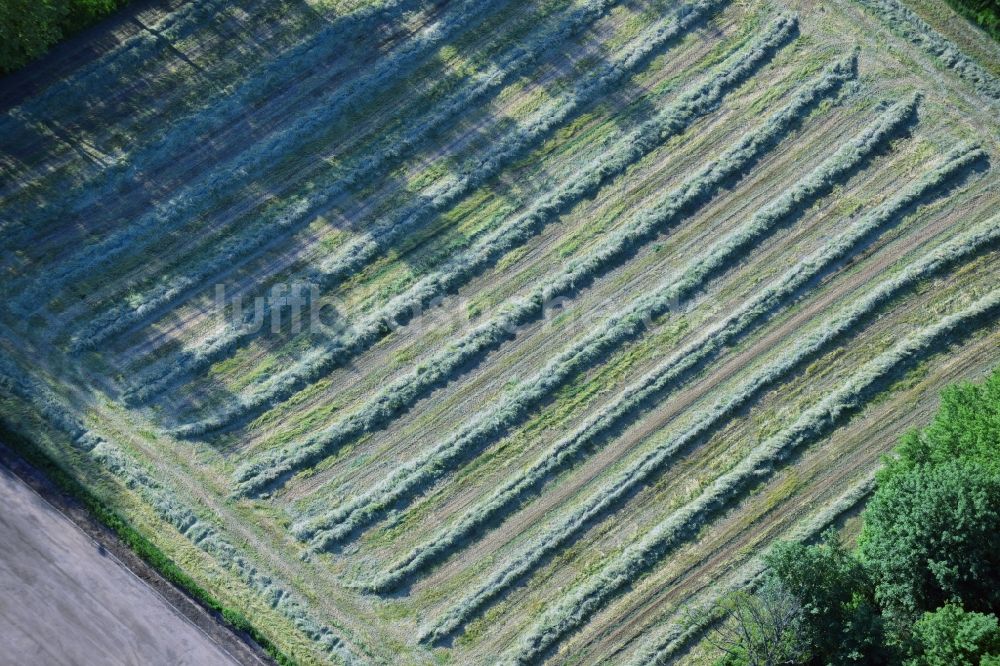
(617, 329)
(611, 493)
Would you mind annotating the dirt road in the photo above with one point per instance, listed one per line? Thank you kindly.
(64, 599)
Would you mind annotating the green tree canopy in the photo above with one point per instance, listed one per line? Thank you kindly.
(29, 27)
(929, 550)
(837, 598)
(967, 426)
(931, 536)
(950, 636)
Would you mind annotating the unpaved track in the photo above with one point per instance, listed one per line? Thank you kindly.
(65, 599)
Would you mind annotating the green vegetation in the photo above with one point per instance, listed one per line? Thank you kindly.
(839, 613)
(966, 427)
(952, 636)
(984, 13)
(28, 28)
(923, 586)
(764, 628)
(931, 536)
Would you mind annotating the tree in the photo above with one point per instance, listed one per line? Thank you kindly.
(840, 617)
(950, 636)
(931, 536)
(27, 29)
(966, 426)
(758, 629)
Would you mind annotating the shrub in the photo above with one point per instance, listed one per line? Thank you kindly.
(763, 628)
(966, 425)
(928, 544)
(984, 13)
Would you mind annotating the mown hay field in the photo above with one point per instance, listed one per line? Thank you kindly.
(494, 332)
